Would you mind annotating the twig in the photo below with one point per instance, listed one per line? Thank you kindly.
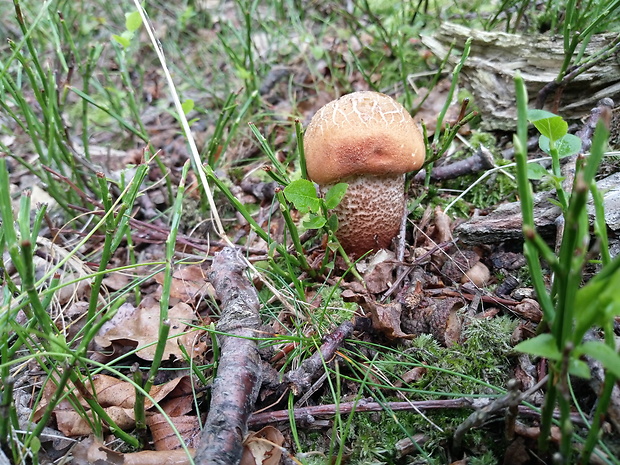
(512, 399)
(489, 299)
(73, 186)
(555, 86)
(301, 378)
(586, 132)
(238, 380)
(344, 408)
(481, 160)
(158, 234)
(509, 153)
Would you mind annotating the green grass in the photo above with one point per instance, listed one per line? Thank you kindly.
(81, 83)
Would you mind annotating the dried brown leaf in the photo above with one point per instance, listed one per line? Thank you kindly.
(116, 281)
(529, 309)
(188, 283)
(380, 273)
(386, 318)
(164, 435)
(413, 375)
(118, 399)
(139, 327)
(263, 447)
(180, 400)
(71, 423)
(445, 322)
(91, 451)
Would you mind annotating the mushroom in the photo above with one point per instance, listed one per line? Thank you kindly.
(368, 140)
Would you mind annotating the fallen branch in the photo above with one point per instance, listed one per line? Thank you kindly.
(238, 380)
(307, 414)
(301, 378)
(479, 161)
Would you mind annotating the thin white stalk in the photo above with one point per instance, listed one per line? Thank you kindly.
(195, 155)
(501, 169)
(181, 115)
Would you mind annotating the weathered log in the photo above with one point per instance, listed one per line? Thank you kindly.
(495, 58)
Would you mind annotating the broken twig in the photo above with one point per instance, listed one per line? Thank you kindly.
(238, 380)
(480, 161)
(301, 378)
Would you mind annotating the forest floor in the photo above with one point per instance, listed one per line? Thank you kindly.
(153, 278)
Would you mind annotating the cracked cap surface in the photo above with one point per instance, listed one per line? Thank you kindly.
(362, 133)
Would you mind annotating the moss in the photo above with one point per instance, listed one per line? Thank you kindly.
(470, 368)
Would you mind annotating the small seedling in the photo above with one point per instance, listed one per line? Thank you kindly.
(569, 311)
(133, 21)
(303, 195)
(557, 142)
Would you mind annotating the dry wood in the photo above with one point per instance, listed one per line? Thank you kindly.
(495, 57)
(300, 379)
(238, 380)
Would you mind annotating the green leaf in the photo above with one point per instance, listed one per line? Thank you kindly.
(335, 194)
(604, 354)
(133, 21)
(543, 143)
(302, 194)
(567, 145)
(121, 40)
(332, 223)
(187, 106)
(536, 171)
(317, 52)
(555, 202)
(543, 345)
(243, 73)
(579, 368)
(535, 115)
(548, 124)
(314, 222)
(596, 304)
(35, 445)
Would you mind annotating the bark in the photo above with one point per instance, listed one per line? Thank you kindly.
(301, 379)
(495, 57)
(480, 161)
(238, 380)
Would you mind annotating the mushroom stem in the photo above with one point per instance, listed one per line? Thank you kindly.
(370, 200)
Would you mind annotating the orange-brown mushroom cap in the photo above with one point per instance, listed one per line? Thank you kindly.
(362, 133)
(369, 141)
